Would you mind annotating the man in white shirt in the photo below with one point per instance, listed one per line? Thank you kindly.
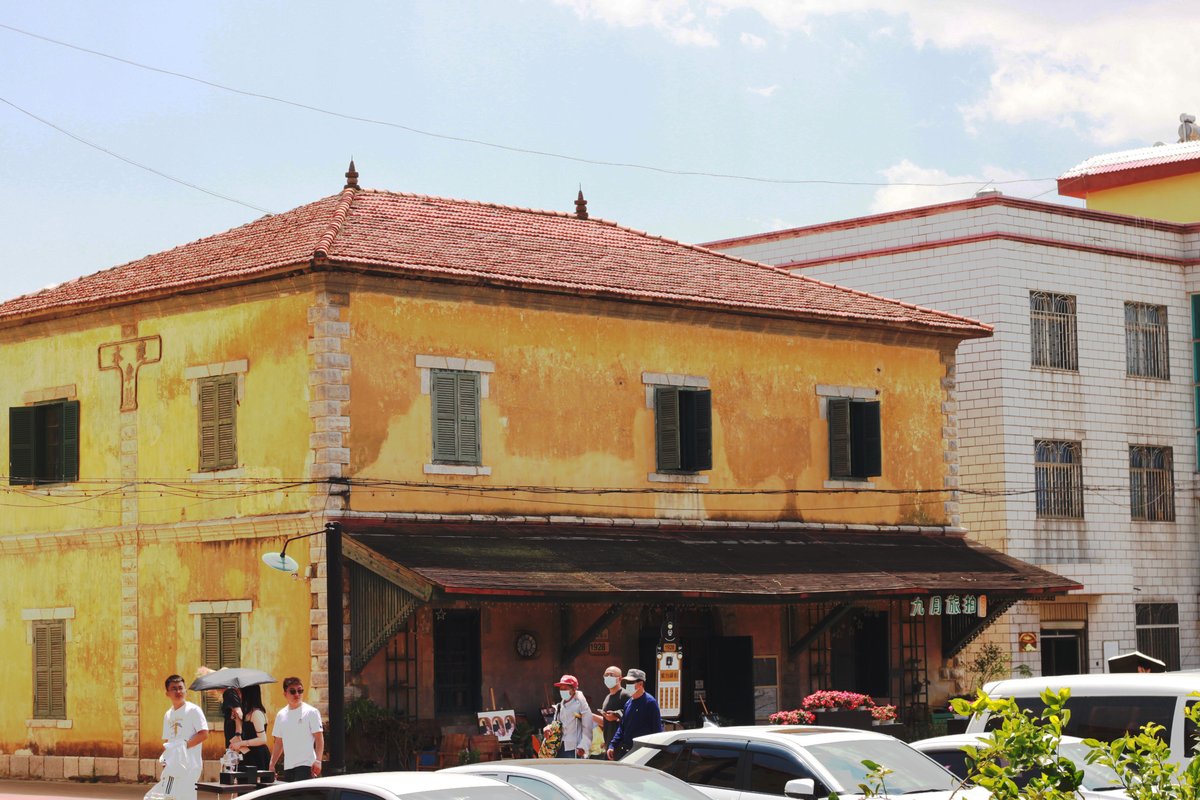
(299, 735)
(184, 731)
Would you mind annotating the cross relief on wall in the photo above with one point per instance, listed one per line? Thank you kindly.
(127, 358)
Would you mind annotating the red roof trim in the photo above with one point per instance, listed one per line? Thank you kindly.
(1081, 185)
(987, 237)
(945, 208)
(321, 251)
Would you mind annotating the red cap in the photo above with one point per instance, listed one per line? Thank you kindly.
(568, 680)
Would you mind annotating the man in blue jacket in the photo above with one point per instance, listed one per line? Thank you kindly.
(641, 715)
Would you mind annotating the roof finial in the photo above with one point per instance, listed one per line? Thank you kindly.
(581, 205)
(352, 176)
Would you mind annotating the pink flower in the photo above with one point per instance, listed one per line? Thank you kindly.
(794, 717)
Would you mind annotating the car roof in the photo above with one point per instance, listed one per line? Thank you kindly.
(1164, 683)
(552, 766)
(800, 735)
(398, 783)
(964, 740)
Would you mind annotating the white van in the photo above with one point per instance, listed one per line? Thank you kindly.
(1106, 706)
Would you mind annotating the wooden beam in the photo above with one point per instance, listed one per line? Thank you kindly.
(825, 623)
(576, 648)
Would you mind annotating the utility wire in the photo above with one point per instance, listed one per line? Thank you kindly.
(495, 145)
(130, 161)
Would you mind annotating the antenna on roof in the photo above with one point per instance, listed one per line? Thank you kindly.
(351, 176)
(581, 205)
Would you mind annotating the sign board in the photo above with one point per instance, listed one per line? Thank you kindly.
(950, 605)
(1027, 642)
(599, 645)
(670, 685)
(498, 723)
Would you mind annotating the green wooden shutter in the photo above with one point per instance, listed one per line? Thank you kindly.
(231, 641)
(837, 412)
(866, 456)
(41, 671)
(21, 438)
(220, 646)
(667, 429)
(695, 407)
(468, 417)
(226, 421)
(455, 399)
(207, 391)
(70, 441)
(443, 390)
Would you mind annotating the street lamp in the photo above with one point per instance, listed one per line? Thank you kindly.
(336, 656)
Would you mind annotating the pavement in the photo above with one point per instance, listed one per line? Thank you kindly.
(63, 790)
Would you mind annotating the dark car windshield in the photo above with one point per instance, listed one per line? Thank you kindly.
(911, 771)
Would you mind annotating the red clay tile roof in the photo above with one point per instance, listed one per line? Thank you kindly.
(431, 237)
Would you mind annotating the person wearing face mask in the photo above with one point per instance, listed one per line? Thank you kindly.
(576, 718)
(613, 707)
(641, 715)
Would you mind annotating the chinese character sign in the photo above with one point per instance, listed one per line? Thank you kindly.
(951, 605)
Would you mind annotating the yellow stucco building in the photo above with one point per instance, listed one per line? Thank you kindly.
(541, 435)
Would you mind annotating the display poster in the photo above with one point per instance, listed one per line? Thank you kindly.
(670, 686)
(498, 723)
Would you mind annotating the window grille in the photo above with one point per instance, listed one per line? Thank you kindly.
(1146, 341)
(1157, 626)
(1151, 484)
(1058, 475)
(1053, 335)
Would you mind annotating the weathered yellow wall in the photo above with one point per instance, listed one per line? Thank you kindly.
(567, 407)
(275, 635)
(88, 581)
(1172, 199)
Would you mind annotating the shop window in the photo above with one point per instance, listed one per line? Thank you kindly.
(43, 443)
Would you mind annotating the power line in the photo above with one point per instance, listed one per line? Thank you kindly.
(495, 145)
(130, 161)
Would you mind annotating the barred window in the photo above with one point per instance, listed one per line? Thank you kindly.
(1151, 484)
(1053, 338)
(1058, 476)
(1146, 341)
(1157, 626)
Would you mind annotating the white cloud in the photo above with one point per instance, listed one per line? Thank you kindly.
(1117, 72)
(923, 186)
(751, 41)
(763, 91)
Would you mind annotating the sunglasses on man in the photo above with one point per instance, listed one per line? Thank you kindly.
(295, 691)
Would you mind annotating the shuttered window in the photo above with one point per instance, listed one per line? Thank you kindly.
(682, 429)
(855, 441)
(455, 398)
(220, 646)
(49, 669)
(218, 422)
(43, 443)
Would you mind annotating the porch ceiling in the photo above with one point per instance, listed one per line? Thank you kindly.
(615, 564)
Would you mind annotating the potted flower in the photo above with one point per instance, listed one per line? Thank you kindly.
(797, 716)
(839, 709)
(883, 715)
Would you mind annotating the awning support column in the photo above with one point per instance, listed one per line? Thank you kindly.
(828, 621)
(572, 651)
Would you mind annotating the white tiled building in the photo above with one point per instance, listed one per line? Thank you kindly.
(1078, 429)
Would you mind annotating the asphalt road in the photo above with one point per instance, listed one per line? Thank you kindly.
(64, 790)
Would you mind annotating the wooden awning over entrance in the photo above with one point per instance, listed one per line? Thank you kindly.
(497, 560)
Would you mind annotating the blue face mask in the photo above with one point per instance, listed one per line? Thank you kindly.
(631, 688)
(565, 694)
(610, 681)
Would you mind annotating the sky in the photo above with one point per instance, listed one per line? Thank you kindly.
(127, 128)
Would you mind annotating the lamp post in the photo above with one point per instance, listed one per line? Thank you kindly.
(335, 655)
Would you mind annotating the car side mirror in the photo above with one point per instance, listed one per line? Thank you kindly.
(800, 787)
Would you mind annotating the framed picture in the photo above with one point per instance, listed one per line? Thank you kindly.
(498, 723)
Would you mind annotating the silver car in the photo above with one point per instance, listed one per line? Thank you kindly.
(581, 779)
(801, 761)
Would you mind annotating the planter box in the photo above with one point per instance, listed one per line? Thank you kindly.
(859, 718)
(891, 729)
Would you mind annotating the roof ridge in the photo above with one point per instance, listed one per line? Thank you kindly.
(336, 221)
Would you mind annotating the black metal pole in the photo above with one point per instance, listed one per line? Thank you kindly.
(337, 669)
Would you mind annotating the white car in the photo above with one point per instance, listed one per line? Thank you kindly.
(803, 761)
(583, 779)
(1099, 782)
(391, 786)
